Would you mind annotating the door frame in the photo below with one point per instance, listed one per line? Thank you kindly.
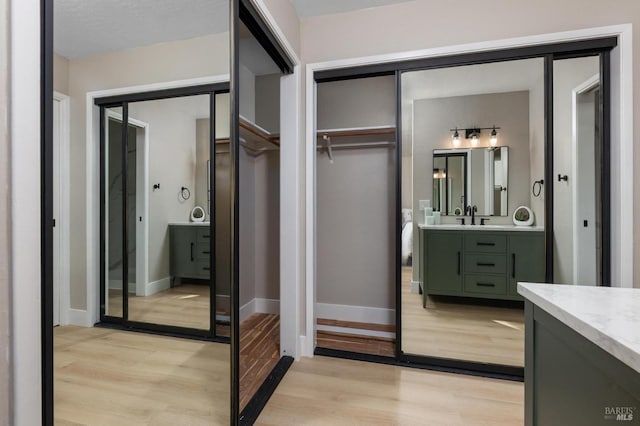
(582, 88)
(61, 212)
(621, 136)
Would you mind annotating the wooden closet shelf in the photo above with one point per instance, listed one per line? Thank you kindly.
(357, 131)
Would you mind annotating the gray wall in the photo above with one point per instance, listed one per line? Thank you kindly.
(6, 383)
(567, 75)
(356, 199)
(434, 117)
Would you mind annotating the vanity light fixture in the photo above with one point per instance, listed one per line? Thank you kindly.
(456, 138)
(494, 137)
(473, 133)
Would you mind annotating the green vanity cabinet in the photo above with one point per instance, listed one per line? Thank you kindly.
(526, 260)
(443, 262)
(480, 264)
(190, 250)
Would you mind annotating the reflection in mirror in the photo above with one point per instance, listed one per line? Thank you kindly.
(471, 177)
(113, 146)
(577, 150)
(459, 296)
(259, 189)
(116, 49)
(176, 290)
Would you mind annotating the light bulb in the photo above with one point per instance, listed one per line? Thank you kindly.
(474, 140)
(494, 137)
(456, 138)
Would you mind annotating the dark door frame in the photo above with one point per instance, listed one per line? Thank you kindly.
(549, 52)
(123, 101)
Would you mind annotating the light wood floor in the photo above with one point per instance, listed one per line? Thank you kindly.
(460, 331)
(108, 377)
(186, 305)
(331, 391)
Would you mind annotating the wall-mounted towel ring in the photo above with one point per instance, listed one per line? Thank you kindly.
(185, 193)
(537, 187)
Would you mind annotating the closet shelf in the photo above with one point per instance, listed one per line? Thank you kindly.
(254, 139)
(355, 138)
(357, 131)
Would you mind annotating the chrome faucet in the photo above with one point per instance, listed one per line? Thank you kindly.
(471, 210)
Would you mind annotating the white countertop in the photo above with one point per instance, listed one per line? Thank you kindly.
(608, 317)
(458, 227)
(189, 223)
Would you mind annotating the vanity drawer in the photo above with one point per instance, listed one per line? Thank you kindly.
(489, 285)
(203, 251)
(202, 269)
(485, 263)
(485, 243)
(204, 235)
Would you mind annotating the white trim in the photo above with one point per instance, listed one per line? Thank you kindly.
(357, 331)
(79, 317)
(263, 10)
(155, 286)
(93, 176)
(621, 138)
(584, 87)
(259, 305)
(354, 313)
(415, 286)
(63, 215)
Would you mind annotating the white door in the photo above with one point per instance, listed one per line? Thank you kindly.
(56, 211)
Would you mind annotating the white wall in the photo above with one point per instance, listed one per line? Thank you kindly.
(5, 225)
(25, 210)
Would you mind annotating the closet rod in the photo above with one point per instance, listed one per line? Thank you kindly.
(357, 131)
(360, 145)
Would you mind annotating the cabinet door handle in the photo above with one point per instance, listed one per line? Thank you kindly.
(513, 265)
(458, 263)
(206, 236)
(486, 284)
(206, 252)
(192, 252)
(485, 264)
(486, 244)
(206, 268)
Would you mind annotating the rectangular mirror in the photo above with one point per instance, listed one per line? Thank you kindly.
(472, 177)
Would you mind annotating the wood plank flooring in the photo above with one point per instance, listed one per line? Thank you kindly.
(109, 377)
(350, 342)
(186, 305)
(259, 352)
(331, 391)
(460, 331)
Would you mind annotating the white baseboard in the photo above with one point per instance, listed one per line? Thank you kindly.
(258, 305)
(355, 313)
(357, 331)
(156, 286)
(78, 317)
(117, 285)
(306, 349)
(415, 287)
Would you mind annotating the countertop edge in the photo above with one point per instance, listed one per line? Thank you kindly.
(609, 344)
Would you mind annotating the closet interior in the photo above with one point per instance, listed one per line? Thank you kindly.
(356, 160)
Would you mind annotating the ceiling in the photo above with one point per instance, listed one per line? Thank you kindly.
(309, 8)
(89, 27)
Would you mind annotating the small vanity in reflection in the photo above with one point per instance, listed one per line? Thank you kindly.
(190, 250)
(479, 261)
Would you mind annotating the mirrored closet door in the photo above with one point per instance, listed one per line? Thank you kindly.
(474, 139)
(164, 223)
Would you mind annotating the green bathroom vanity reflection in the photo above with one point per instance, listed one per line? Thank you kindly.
(479, 261)
(190, 250)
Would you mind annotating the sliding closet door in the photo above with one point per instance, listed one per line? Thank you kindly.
(356, 163)
(113, 187)
(259, 220)
(473, 140)
(579, 169)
